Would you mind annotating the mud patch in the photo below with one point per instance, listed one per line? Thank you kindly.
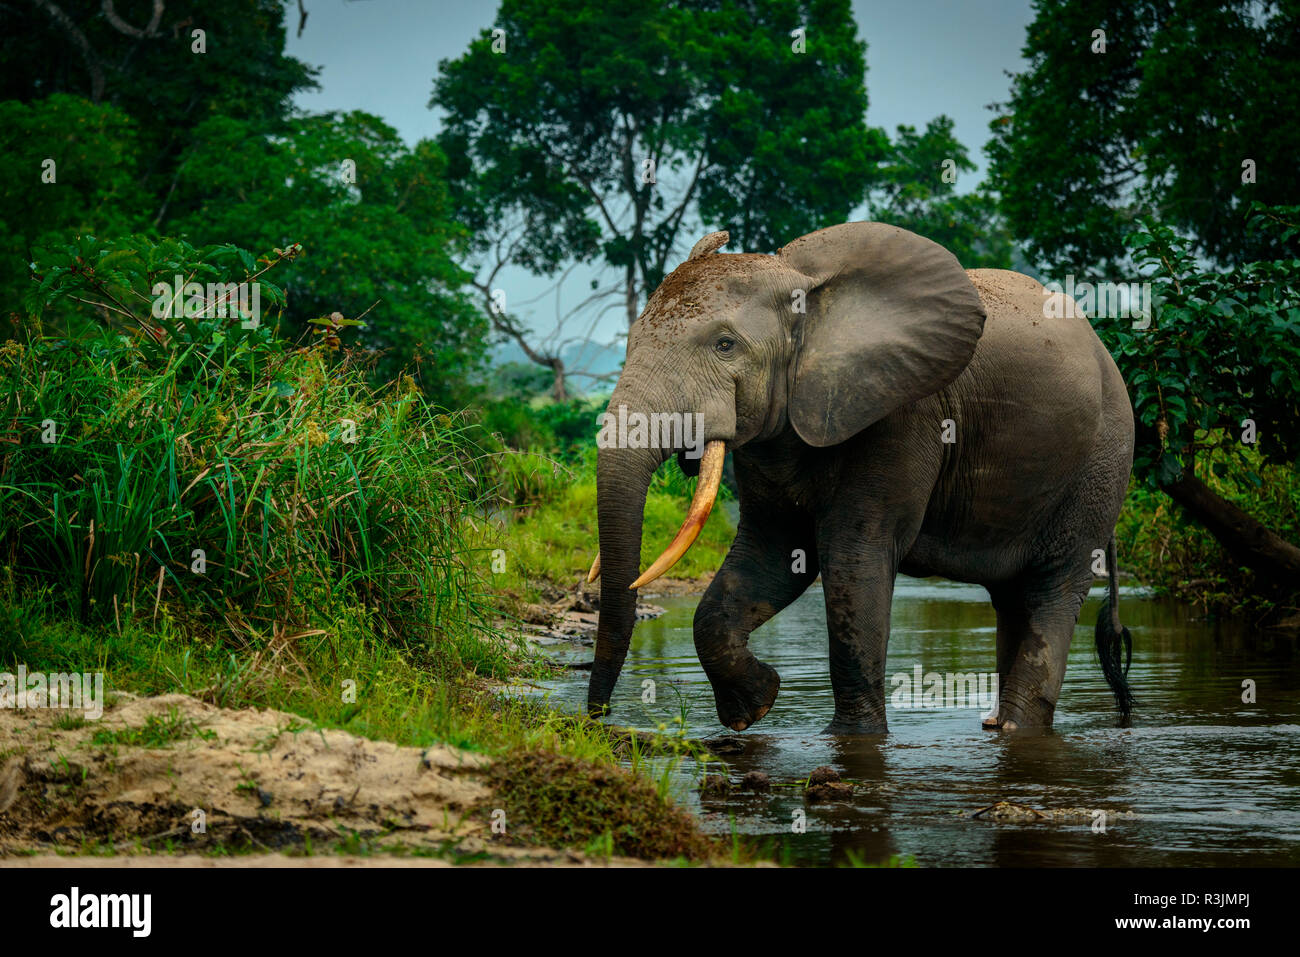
(259, 780)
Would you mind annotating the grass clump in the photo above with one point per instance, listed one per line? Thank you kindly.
(556, 801)
(158, 731)
(241, 485)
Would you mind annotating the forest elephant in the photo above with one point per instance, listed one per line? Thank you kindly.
(887, 411)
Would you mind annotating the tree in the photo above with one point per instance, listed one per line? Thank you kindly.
(69, 166)
(1214, 381)
(159, 131)
(156, 70)
(373, 217)
(577, 131)
(918, 192)
(1149, 105)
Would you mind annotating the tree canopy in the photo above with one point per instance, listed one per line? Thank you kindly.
(157, 71)
(114, 127)
(583, 133)
(373, 216)
(1183, 110)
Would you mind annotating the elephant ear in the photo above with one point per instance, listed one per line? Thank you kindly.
(891, 317)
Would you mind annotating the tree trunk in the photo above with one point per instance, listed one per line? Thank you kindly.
(630, 302)
(1247, 540)
(560, 390)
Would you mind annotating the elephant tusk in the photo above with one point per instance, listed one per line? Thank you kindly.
(706, 491)
(595, 570)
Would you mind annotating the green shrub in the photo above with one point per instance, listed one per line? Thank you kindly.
(253, 488)
(1178, 557)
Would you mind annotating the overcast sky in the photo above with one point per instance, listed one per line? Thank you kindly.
(924, 58)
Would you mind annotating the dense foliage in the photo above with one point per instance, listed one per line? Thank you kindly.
(93, 143)
(374, 219)
(739, 128)
(1221, 358)
(202, 466)
(1164, 116)
(1216, 393)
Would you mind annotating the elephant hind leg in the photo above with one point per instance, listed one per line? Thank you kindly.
(1035, 627)
(1013, 623)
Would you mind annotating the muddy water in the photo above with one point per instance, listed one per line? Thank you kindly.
(1201, 779)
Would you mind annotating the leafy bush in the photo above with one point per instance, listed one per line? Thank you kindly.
(1176, 556)
(1216, 396)
(92, 182)
(254, 488)
(1222, 348)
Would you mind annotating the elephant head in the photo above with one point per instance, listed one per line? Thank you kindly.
(831, 334)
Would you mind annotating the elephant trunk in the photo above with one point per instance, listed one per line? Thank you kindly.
(622, 479)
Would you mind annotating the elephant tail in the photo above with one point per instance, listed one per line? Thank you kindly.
(1111, 637)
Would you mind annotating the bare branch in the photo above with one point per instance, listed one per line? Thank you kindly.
(80, 42)
(121, 26)
(678, 214)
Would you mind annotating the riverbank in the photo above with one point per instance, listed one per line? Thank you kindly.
(261, 530)
(289, 756)
(171, 775)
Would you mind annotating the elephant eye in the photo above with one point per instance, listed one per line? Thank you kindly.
(724, 345)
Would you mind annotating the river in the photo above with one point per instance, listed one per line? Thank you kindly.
(1200, 779)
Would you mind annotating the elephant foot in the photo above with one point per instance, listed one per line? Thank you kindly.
(856, 726)
(742, 703)
(1010, 716)
(993, 723)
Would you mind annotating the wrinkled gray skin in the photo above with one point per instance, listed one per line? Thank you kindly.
(835, 418)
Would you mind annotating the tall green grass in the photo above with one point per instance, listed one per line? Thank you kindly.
(251, 489)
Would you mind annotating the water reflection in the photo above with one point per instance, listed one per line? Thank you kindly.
(1210, 780)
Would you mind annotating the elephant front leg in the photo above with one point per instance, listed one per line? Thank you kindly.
(858, 596)
(763, 573)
